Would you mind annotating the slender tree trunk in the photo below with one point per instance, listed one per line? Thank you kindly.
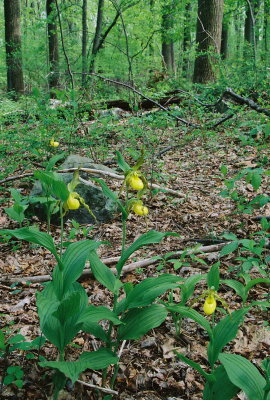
(84, 42)
(167, 42)
(53, 45)
(97, 37)
(13, 46)
(187, 38)
(208, 37)
(224, 41)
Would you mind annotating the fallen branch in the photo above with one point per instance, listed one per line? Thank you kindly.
(145, 97)
(244, 100)
(102, 389)
(96, 172)
(128, 268)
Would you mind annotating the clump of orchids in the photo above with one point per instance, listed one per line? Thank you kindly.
(134, 181)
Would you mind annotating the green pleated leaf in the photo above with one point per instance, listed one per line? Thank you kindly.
(52, 161)
(213, 276)
(102, 273)
(96, 330)
(256, 180)
(235, 285)
(111, 195)
(73, 262)
(244, 375)
(57, 186)
(187, 288)
(196, 366)
(99, 359)
(59, 321)
(75, 257)
(224, 332)
(33, 235)
(150, 237)
(254, 282)
(122, 163)
(192, 314)
(149, 289)
(229, 248)
(214, 392)
(96, 314)
(139, 321)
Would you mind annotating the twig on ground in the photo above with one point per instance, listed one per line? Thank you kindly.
(128, 268)
(99, 173)
(102, 389)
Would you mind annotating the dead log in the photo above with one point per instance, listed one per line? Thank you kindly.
(203, 251)
(244, 100)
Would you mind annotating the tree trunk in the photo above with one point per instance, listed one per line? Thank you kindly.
(97, 37)
(187, 38)
(208, 37)
(13, 47)
(84, 42)
(167, 42)
(53, 45)
(224, 41)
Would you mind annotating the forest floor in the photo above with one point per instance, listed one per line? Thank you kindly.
(149, 369)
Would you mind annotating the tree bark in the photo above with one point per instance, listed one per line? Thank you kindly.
(208, 38)
(167, 42)
(53, 45)
(187, 39)
(224, 41)
(84, 42)
(13, 47)
(97, 37)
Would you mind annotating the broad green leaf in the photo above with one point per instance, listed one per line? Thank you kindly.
(33, 235)
(213, 276)
(59, 321)
(99, 359)
(122, 163)
(150, 237)
(187, 288)
(214, 392)
(51, 163)
(55, 182)
(111, 195)
(139, 321)
(244, 375)
(96, 330)
(96, 314)
(254, 282)
(102, 273)
(74, 259)
(196, 366)
(2, 340)
(224, 332)
(235, 285)
(224, 170)
(16, 195)
(256, 180)
(149, 289)
(187, 312)
(229, 248)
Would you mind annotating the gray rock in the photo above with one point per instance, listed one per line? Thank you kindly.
(102, 207)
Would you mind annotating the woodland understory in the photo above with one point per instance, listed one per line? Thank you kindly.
(194, 162)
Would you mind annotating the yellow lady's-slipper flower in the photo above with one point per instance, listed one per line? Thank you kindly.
(210, 305)
(140, 209)
(72, 203)
(135, 182)
(53, 143)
